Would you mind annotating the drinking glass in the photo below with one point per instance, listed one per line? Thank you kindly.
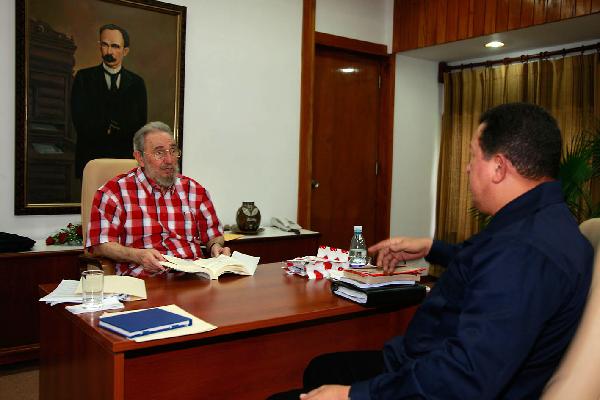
(92, 287)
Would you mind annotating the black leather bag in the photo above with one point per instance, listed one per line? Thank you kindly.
(10, 242)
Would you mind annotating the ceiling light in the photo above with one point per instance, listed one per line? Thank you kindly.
(348, 70)
(494, 44)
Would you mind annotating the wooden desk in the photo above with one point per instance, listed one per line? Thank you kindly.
(269, 326)
(273, 245)
(23, 272)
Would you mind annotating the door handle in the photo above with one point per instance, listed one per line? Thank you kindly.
(314, 183)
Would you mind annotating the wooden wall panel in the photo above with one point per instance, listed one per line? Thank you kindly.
(539, 12)
(514, 14)
(583, 7)
(420, 23)
(490, 17)
(477, 27)
(527, 13)
(442, 14)
(413, 24)
(452, 21)
(502, 16)
(464, 14)
(552, 10)
(567, 9)
(431, 22)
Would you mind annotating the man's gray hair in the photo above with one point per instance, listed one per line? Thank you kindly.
(140, 135)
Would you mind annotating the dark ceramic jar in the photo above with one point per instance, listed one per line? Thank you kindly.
(248, 217)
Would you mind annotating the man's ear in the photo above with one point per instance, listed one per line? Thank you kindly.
(502, 164)
(138, 157)
(125, 51)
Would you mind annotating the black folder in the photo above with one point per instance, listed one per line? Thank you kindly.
(389, 295)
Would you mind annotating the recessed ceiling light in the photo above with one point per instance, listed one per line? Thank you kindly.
(348, 70)
(494, 44)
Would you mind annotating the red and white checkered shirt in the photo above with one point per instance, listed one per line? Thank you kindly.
(131, 210)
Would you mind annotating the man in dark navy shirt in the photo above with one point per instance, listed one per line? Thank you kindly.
(498, 321)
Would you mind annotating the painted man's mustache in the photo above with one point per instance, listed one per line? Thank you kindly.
(108, 58)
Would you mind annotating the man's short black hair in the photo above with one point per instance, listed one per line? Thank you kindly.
(113, 27)
(527, 135)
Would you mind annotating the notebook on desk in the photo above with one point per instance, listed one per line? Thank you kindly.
(143, 322)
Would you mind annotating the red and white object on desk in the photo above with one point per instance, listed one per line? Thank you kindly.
(328, 259)
(331, 262)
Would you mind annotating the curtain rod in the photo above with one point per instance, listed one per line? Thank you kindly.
(444, 67)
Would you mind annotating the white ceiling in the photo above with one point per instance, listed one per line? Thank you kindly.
(553, 35)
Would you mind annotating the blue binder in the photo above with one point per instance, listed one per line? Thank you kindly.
(143, 322)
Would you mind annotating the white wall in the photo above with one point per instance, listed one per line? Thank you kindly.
(417, 126)
(369, 20)
(242, 104)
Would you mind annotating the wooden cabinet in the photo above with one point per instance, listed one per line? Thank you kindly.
(274, 245)
(23, 272)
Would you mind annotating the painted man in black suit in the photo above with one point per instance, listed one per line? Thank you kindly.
(108, 102)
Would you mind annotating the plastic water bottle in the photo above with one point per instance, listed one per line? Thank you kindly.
(357, 256)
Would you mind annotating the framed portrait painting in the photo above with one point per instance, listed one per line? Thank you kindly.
(90, 73)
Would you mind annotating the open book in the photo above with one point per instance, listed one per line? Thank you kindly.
(212, 268)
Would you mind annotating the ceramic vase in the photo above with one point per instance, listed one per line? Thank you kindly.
(248, 217)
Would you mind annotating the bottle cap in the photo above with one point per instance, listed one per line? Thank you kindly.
(357, 228)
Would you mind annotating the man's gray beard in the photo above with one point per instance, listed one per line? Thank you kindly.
(168, 182)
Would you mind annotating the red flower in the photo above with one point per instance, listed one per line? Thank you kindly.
(62, 237)
(71, 235)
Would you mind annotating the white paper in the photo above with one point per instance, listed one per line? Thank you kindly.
(249, 261)
(108, 303)
(363, 285)
(122, 284)
(64, 293)
(353, 295)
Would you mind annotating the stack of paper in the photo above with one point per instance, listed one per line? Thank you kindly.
(64, 293)
(134, 288)
(123, 287)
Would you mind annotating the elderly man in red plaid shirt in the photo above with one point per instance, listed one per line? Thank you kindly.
(153, 210)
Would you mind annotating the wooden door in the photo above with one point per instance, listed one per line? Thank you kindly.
(346, 117)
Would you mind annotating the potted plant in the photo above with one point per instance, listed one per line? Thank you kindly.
(579, 165)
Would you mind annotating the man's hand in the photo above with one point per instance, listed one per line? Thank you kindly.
(149, 260)
(327, 392)
(392, 251)
(217, 249)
